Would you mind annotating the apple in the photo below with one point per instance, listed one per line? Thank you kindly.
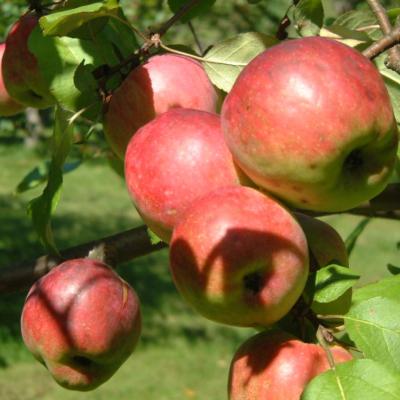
(21, 73)
(277, 366)
(310, 120)
(161, 83)
(325, 247)
(82, 321)
(8, 106)
(179, 156)
(238, 257)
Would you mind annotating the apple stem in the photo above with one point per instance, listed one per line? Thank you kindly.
(324, 337)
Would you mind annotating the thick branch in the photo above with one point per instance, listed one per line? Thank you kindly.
(388, 41)
(117, 249)
(134, 243)
(393, 60)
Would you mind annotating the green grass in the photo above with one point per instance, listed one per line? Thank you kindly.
(181, 355)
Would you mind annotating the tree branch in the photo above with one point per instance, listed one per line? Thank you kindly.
(387, 42)
(119, 248)
(393, 60)
(134, 243)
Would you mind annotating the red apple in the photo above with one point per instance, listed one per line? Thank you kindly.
(277, 366)
(176, 158)
(8, 106)
(82, 321)
(239, 257)
(163, 82)
(21, 73)
(325, 247)
(310, 120)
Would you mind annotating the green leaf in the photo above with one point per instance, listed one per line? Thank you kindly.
(224, 62)
(362, 21)
(388, 287)
(67, 64)
(308, 17)
(352, 38)
(392, 82)
(374, 326)
(40, 174)
(62, 22)
(355, 380)
(42, 207)
(355, 234)
(201, 8)
(332, 281)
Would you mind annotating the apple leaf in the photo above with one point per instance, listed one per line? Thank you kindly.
(361, 21)
(388, 287)
(67, 64)
(198, 9)
(354, 235)
(308, 17)
(41, 208)
(352, 38)
(332, 281)
(355, 380)
(64, 21)
(224, 62)
(374, 326)
(40, 174)
(392, 82)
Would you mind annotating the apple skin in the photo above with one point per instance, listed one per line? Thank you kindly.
(325, 247)
(82, 321)
(239, 258)
(274, 365)
(21, 73)
(163, 82)
(310, 120)
(8, 106)
(171, 161)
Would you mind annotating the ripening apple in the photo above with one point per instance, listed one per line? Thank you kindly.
(163, 82)
(171, 161)
(8, 106)
(81, 321)
(310, 120)
(239, 258)
(21, 73)
(274, 365)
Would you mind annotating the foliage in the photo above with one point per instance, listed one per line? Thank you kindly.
(85, 51)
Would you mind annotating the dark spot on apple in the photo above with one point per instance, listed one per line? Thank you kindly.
(313, 166)
(304, 201)
(82, 361)
(354, 161)
(253, 282)
(296, 188)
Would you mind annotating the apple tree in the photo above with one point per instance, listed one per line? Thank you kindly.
(230, 154)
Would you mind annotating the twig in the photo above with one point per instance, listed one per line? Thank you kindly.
(119, 248)
(196, 38)
(393, 60)
(152, 39)
(177, 16)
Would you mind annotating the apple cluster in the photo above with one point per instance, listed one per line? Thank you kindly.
(307, 126)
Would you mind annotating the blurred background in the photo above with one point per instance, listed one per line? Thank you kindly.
(181, 355)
